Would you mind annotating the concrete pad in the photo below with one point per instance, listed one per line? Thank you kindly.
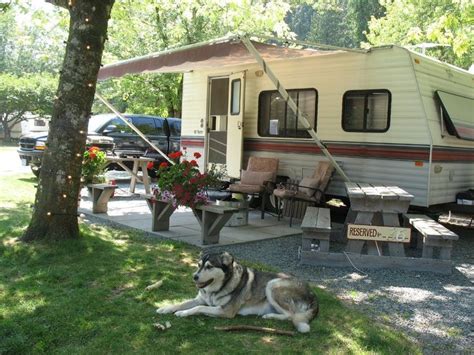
(134, 212)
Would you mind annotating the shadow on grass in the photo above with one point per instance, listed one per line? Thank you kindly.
(29, 180)
(88, 295)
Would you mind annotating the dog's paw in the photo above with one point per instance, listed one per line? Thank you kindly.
(182, 314)
(166, 309)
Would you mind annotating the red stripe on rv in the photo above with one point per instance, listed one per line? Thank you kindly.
(348, 150)
(372, 151)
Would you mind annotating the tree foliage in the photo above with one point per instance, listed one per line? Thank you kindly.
(31, 38)
(335, 22)
(31, 93)
(139, 28)
(411, 22)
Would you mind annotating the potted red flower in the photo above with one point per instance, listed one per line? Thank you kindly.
(93, 166)
(182, 184)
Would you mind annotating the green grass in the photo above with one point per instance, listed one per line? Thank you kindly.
(88, 296)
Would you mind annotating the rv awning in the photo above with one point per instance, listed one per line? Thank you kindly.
(215, 54)
(458, 112)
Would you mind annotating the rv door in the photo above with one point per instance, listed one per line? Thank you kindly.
(235, 124)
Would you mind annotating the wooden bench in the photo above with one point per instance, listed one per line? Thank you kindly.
(434, 235)
(212, 219)
(316, 228)
(160, 212)
(101, 194)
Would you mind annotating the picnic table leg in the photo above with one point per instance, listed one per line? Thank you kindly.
(355, 246)
(211, 225)
(146, 178)
(427, 252)
(133, 180)
(161, 213)
(100, 199)
(395, 249)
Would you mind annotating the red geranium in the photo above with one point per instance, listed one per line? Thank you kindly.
(93, 165)
(164, 165)
(175, 155)
(150, 165)
(182, 183)
(197, 155)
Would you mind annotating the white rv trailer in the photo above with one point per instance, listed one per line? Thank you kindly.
(387, 115)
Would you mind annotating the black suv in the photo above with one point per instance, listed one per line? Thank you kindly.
(110, 133)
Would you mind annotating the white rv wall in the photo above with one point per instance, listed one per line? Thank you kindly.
(447, 176)
(333, 75)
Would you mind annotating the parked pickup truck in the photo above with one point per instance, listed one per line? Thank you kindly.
(165, 133)
(110, 133)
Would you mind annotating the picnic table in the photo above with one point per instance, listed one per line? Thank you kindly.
(376, 205)
(137, 165)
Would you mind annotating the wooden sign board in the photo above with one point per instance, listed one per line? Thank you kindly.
(378, 233)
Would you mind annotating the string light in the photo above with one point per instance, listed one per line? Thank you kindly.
(88, 47)
(81, 132)
(87, 19)
(48, 213)
(64, 195)
(90, 85)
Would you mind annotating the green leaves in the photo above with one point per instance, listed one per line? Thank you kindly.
(31, 93)
(410, 22)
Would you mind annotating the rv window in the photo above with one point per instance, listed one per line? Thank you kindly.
(366, 110)
(277, 119)
(235, 97)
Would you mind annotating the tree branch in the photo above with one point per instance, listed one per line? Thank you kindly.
(60, 3)
(259, 329)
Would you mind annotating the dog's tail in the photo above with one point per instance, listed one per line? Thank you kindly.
(301, 320)
(307, 313)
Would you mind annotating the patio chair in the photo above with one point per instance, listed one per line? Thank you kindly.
(257, 179)
(309, 189)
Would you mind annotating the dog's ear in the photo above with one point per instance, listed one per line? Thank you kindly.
(227, 258)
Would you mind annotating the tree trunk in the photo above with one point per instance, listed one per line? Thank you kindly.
(6, 131)
(55, 211)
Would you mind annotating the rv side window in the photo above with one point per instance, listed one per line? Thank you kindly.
(235, 97)
(366, 110)
(277, 119)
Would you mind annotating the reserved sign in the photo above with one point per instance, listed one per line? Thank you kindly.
(378, 233)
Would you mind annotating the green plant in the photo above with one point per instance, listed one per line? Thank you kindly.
(93, 166)
(216, 175)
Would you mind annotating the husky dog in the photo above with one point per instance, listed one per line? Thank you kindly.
(227, 288)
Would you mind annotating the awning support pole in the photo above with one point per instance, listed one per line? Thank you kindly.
(291, 103)
(135, 129)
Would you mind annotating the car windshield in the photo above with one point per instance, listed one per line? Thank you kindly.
(97, 122)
